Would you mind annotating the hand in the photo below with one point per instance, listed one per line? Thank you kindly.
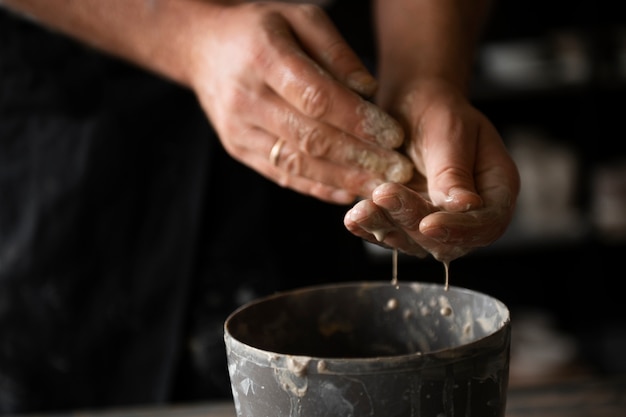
(463, 194)
(270, 72)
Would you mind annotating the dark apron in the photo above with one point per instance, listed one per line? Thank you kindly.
(127, 234)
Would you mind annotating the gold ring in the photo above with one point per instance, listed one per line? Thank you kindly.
(275, 152)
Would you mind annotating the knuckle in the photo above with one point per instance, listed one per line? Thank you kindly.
(310, 139)
(292, 121)
(457, 173)
(337, 52)
(315, 102)
(234, 99)
(312, 142)
(293, 164)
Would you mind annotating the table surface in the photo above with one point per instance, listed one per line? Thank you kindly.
(584, 397)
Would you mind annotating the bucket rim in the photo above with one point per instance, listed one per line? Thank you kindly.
(481, 346)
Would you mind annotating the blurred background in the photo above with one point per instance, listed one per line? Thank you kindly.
(552, 77)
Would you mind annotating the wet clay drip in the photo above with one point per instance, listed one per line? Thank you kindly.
(394, 267)
(394, 270)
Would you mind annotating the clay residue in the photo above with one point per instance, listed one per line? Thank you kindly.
(380, 125)
(392, 304)
(417, 288)
(445, 307)
(399, 169)
(379, 234)
(293, 379)
(322, 366)
(446, 311)
(297, 366)
(393, 168)
(290, 383)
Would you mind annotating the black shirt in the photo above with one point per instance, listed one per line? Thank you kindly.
(127, 234)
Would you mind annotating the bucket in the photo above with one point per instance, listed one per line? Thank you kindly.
(370, 349)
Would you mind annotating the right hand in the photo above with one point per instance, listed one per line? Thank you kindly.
(273, 71)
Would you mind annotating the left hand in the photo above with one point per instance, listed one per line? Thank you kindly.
(464, 191)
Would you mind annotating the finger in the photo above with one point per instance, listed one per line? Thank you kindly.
(498, 186)
(377, 219)
(369, 222)
(258, 158)
(323, 141)
(476, 228)
(407, 209)
(479, 227)
(405, 206)
(446, 235)
(311, 90)
(323, 42)
(479, 173)
(450, 160)
(297, 167)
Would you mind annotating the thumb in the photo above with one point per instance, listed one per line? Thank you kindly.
(448, 158)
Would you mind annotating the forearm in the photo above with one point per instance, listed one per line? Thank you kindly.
(420, 39)
(153, 34)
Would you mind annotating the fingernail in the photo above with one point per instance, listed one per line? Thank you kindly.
(459, 199)
(356, 215)
(391, 201)
(362, 82)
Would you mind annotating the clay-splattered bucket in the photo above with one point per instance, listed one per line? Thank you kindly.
(370, 349)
